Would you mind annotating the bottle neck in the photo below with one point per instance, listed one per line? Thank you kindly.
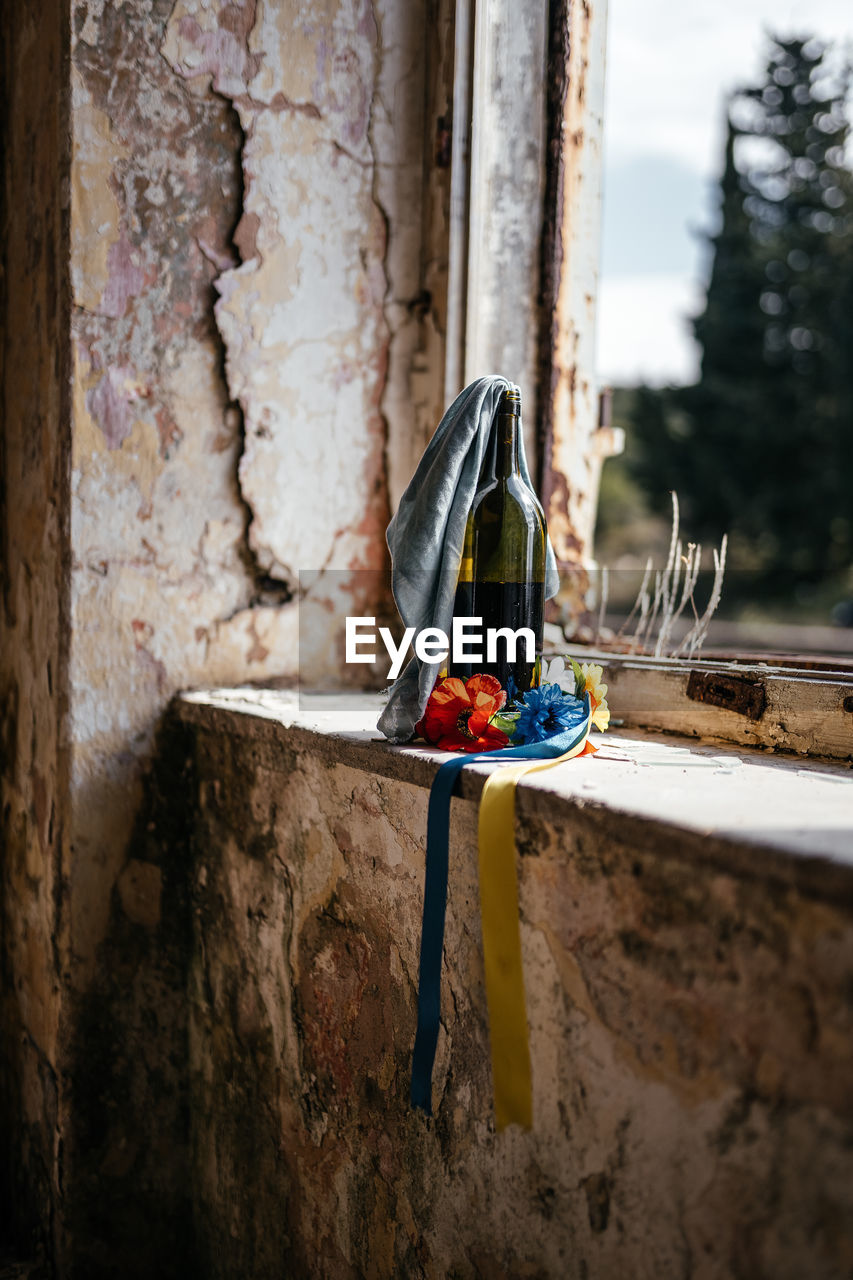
(501, 460)
(506, 433)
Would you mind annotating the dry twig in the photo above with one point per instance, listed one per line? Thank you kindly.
(674, 588)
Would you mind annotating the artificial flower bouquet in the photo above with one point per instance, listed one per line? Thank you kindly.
(479, 715)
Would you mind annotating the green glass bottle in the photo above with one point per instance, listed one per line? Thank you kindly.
(502, 575)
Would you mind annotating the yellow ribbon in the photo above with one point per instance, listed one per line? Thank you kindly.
(510, 1045)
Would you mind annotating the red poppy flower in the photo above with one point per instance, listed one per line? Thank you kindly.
(457, 715)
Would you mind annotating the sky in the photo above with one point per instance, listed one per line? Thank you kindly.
(670, 66)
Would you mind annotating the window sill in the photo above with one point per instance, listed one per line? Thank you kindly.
(687, 949)
(738, 810)
(747, 703)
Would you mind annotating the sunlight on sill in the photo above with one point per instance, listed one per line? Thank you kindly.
(746, 810)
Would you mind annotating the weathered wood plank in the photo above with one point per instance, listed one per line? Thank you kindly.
(808, 712)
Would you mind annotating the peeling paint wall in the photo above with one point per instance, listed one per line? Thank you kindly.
(690, 1026)
(300, 207)
(162, 583)
(247, 257)
(34, 618)
(323, 316)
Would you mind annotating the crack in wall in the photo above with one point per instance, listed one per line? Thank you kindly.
(165, 594)
(223, 264)
(327, 248)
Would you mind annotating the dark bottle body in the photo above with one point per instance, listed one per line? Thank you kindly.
(502, 576)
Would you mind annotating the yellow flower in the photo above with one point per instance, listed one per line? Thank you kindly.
(597, 691)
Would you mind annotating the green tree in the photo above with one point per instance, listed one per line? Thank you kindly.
(760, 446)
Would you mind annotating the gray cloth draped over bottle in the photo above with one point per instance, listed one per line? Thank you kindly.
(427, 534)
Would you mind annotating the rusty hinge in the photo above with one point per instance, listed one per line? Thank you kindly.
(736, 693)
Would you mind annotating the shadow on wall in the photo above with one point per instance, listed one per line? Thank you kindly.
(128, 1204)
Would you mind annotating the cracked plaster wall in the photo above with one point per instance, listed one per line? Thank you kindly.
(317, 318)
(225, 353)
(269, 156)
(161, 584)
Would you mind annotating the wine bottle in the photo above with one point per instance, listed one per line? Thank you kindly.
(502, 575)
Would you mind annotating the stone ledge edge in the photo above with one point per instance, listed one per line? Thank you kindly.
(816, 876)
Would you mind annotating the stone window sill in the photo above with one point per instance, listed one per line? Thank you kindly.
(687, 940)
(740, 810)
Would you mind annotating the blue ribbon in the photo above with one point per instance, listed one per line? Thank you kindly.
(435, 891)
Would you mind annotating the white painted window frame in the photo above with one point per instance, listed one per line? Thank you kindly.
(496, 308)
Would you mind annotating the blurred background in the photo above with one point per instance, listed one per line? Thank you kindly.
(726, 306)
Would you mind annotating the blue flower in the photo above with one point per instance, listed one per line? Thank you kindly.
(545, 711)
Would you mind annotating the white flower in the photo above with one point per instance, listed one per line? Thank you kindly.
(556, 672)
